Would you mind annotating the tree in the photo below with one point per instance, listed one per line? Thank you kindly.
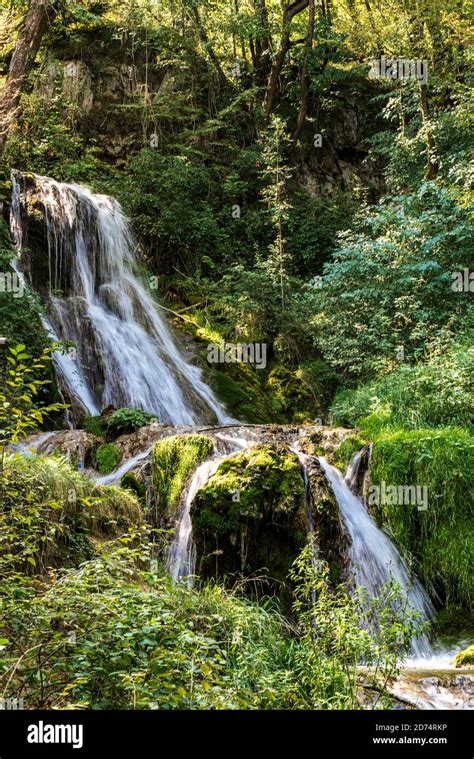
(285, 43)
(37, 21)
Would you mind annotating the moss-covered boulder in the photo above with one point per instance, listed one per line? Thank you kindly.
(251, 516)
(465, 658)
(108, 456)
(172, 463)
(332, 538)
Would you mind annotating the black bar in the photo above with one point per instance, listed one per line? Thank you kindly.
(137, 734)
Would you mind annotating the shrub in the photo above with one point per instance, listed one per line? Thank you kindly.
(126, 420)
(436, 392)
(50, 511)
(108, 457)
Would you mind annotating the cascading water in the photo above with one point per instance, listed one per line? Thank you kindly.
(373, 557)
(181, 556)
(124, 352)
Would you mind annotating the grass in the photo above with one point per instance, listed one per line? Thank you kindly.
(440, 539)
(51, 511)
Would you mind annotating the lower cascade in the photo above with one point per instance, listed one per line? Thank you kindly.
(374, 560)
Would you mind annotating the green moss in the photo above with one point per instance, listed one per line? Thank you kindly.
(264, 478)
(464, 658)
(108, 457)
(94, 425)
(345, 451)
(130, 482)
(173, 461)
(250, 517)
(441, 538)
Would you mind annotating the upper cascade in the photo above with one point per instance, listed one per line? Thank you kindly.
(124, 353)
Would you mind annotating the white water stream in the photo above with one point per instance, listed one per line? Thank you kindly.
(374, 558)
(124, 352)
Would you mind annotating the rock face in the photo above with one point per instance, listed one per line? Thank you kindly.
(331, 536)
(250, 517)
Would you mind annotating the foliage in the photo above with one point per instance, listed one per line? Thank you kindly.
(440, 539)
(464, 658)
(346, 450)
(108, 456)
(50, 512)
(389, 286)
(19, 409)
(112, 635)
(342, 631)
(435, 392)
(126, 420)
(130, 482)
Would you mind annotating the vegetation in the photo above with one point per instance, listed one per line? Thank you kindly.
(108, 457)
(464, 658)
(283, 193)
(173, 461)
(440, 538)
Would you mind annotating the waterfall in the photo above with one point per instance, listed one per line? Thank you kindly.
(374, 558)
(124, 354)
(181, 556)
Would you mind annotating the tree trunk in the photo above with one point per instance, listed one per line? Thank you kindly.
(37, 21)
(304, 75)
(431, 163)
(272, 87)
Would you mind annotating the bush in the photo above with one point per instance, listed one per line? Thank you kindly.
(126, 420)
(108, 457)
(436, 392)
(50, 512)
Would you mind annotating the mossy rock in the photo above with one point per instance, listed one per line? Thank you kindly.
(251, 516)
(129, 481)
(108, 456)
(465, 658)
(172, 463)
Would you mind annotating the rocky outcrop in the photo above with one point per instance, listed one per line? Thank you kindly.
(250, 519)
